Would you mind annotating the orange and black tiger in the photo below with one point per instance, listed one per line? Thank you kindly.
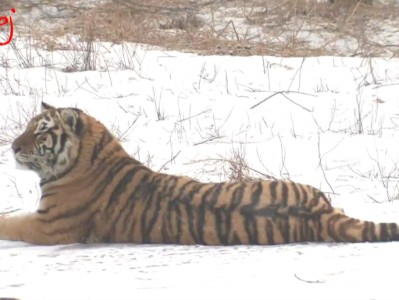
(93, 191)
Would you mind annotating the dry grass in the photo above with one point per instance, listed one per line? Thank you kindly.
(253, 27)
(235, 167)
(238, 169)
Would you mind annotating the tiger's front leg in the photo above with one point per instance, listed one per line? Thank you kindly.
(29, 228)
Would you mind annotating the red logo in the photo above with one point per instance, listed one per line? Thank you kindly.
(4, 20)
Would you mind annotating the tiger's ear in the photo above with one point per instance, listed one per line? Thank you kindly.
(44, 107)
(71, 118)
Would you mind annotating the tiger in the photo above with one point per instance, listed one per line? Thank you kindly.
(93, 191)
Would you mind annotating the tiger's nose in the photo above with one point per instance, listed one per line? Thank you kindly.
(19, 144)
(15, 147)
(23, 142)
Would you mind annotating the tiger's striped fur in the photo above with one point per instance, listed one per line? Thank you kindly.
(93, 191)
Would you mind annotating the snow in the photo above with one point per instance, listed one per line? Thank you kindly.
(331, 122)
(199, 272)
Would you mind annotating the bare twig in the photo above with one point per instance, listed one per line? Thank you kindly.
(308, 281)
(283, 93)
(194, 116)
(169, 161)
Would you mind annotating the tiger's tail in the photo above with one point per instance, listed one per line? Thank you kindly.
(342, 228)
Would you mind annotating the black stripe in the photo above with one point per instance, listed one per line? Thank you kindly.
(215, 195)
(256, 195)
(79, 126)
(368, 233)
(165, 194)
(149, 199)
(269, 232)
(63, 140)
(272, 188)
(293, 229)
(236, 200)
(87, 229)
(201, 211)
(321, 197)
(251, 230)
(366, 229)
(394, 231)
(303, 229)
(164, 232)
(135, 196)
(106, 138)
(208, 202)
(284, 193)
(331, 230)
(384, 234)
(168, 217)
(223, 214)
(296, 192)
(283, 225)
(173, 207)
(304, 199)
(182, 190)
(223, 224)
(46, 210)
(319, 228)
(53, 136)
(174, 234)
(179, 225)
(187, 200)
(310, 227)
(248, 212)
(45, 195)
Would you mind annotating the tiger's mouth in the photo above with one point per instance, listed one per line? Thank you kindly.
(25, 162)
(20, 165)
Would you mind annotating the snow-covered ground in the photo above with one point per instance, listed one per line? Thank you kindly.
(331, 122)
(308, 272)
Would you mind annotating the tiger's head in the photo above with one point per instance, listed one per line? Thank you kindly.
(50, 144)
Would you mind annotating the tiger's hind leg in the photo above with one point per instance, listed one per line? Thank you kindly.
(29, 228)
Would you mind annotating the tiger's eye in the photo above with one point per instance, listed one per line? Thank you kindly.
(41, 139)
(43, 126)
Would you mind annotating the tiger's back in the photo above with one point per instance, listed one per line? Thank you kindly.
(93, 191)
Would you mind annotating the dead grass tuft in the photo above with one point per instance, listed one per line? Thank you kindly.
(238, 169)
(253, 27)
